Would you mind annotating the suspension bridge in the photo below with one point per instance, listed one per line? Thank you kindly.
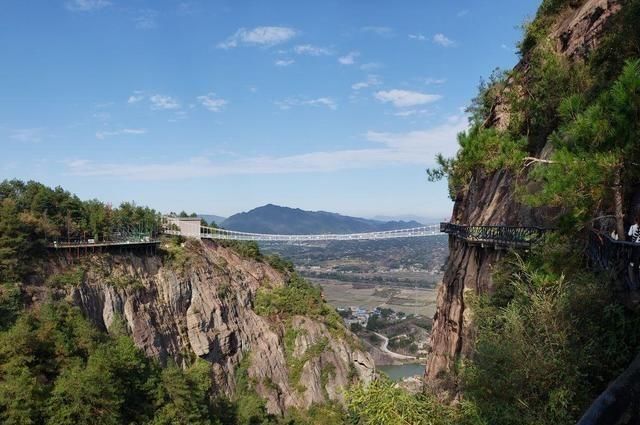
(192, 227)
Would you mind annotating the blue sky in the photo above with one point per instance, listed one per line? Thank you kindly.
(222, 106)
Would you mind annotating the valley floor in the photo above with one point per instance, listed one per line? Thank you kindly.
(417, 301)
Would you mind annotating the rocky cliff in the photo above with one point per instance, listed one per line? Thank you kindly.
(200, 303)
(489, 199)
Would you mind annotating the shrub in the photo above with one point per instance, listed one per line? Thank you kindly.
(71, 277)
(298, 297)
(549, 340)
(382, 403)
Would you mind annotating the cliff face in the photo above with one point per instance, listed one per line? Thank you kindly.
(489, 199)
(204, 307)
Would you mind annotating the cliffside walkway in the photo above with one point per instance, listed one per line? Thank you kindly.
(497, 237)
(191, 227)
(620, 258)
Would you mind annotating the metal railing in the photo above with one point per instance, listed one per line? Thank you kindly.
(620, 258)
(115, 238)
(503, 236)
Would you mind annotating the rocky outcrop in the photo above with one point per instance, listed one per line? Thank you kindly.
(204, 307)
(489, 199)
(579, 29)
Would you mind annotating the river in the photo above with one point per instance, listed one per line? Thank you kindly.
(398, 372)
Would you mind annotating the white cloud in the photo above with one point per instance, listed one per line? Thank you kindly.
(308, 49)
(405, 98)
(411, 112)
(125, 131)
(443, 40)
(86, 5)
(378, 30)
(411, 148)
(369, 66)
(435, 81)
(159, 101)
(418, 37)
(293, 101)
(146, 19)
(27, 135)
(372, 80)
(136, 97)
(349, 58)
(284, 62)
(462, 13)
(211, 102)
(259, 36)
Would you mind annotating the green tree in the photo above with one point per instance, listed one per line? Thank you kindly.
(85, 395)
(14, 242)
(183, 398)
(596, 153)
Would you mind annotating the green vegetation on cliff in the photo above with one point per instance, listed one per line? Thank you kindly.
(549, 340)
(32, 214)
(57, 368)
(298, 297)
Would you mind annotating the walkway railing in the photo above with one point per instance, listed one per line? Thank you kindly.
(97, 244)
(499, 236)
(621, 258)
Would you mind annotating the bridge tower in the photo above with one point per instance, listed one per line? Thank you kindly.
(188, 226)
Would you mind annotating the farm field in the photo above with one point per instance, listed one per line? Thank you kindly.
(421, 301)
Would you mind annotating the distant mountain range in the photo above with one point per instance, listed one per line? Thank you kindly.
(283, 220)
(212, 217)
(408, 217)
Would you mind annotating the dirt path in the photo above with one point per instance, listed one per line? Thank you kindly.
(384, 349)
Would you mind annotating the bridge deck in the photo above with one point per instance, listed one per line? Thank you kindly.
(499, 237)
(191, 227)
(85, 244)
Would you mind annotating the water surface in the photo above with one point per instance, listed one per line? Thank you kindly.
(398, 372)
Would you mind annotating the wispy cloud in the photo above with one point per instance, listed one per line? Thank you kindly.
(27, 135)
(290, 102)
(462, 13)
(349, 58)
(308, 49)
(406, 98)
(86, 5)
(284, 62)
(102, 116)
(370, 66)
(101, 135)
(185, 8)
(159, 101)
(411, 112)
(410, 148)
(259, 36)
(146, 19)
(378, 30)
(372, 80)
(435, 81)
(417, 37)
(443, 40)
(211, 102)
(136, 97)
